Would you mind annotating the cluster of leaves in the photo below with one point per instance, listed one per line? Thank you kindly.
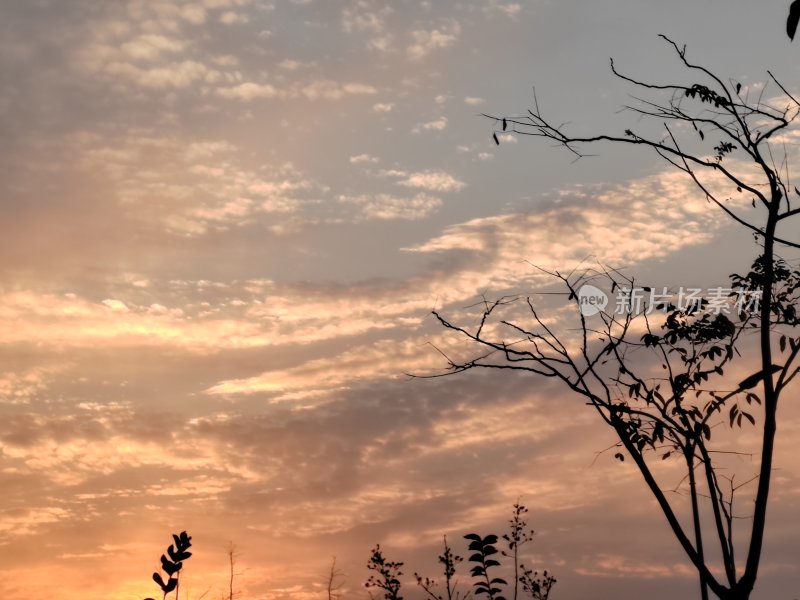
(485, 554)
(786, 290)
(705, 94)
(178, 552)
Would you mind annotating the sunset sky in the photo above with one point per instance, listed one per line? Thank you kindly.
(225, 224)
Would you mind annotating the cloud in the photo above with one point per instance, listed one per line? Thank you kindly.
(192, 187)
(151, 46)
(388, 207)
(368, 18)
(437, 181)
(435, 125)
(615, 565)
(426, 41)
(249, 91)
(510, 9)
(194, 13)
(363, 158)
(363, 16)
(383, 107)
(474, 101)
(330, 90)
(70, 321)
(315, 90)
(177, 75)
(232, 18)
(383, 359)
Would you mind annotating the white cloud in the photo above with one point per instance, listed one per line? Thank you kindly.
(151, 46)
(364, 16)
(194, 13)
(249, 91)
(233, 18)
(435, 125)
(383, 107)
(511, 9)
(387, 207)
(331, 90)
(324, 89)
(437, 181)
(363, 158)
(175, 75)
(289, 64)
(428, 40)
(473, 101)
(117, 306)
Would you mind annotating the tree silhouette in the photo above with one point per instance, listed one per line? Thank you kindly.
(665, 392)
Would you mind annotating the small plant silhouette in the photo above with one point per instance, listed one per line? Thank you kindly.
(485, 561)
(178, 552)
(484, 548)
(449, 561)
(536, 586)
(387, 575)
(517, 536)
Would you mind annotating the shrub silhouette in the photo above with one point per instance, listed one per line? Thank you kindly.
(485, 559)
(516, 537)
(178, 552)
(449, 562)
(483, 548)
(387, 575)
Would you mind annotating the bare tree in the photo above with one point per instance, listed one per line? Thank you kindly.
(232, 554)
(664, 392)
(334, 581)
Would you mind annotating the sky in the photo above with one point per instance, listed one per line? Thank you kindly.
(225, 224)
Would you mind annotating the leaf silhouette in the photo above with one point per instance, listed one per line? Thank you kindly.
(171, 585)
(755, 378)
(177, 555)
(794, 17)
(494, 137)
(157, 578)
(170, 568)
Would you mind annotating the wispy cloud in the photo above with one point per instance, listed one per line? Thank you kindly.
(426, 41)
(435, 125)
(437, 181)
(388, 207)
